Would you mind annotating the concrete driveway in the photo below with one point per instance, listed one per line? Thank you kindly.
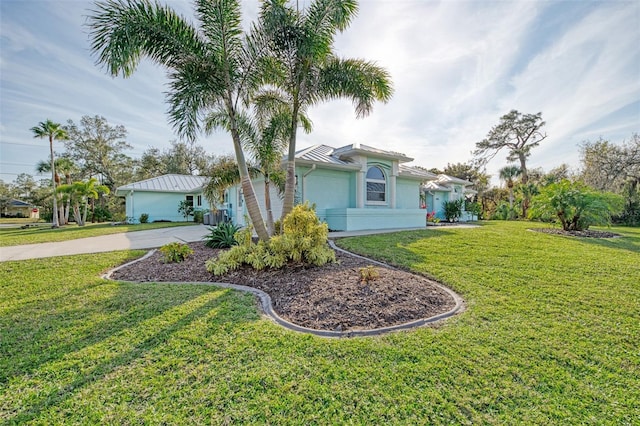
(124, 241)
(140, 240)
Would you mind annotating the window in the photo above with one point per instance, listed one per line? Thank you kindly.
(376, 185)
(190, 200)
(199, 203)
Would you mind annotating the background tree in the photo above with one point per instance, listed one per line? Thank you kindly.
(52, 131)
(516, 132)
(68, 168)
(211, 66)
(576, 205)
(98, 149)
(508, 174)
(615, 167)
(311, 72)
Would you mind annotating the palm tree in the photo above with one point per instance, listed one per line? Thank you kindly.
(310, 71)
(53, 131)
(68, 168)
(79, 194)
(212, 66)
(265, 136)
(507, 174)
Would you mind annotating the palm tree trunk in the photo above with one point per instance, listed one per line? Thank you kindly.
(290, 183)
(267, 204)
(253, 207)
(55, 222)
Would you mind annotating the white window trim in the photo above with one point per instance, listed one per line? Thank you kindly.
(386, 188)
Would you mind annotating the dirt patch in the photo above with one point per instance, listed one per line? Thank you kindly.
(582, 234)
(329, 297)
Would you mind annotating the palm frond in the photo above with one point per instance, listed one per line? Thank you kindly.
(361, 81)
(122, 31)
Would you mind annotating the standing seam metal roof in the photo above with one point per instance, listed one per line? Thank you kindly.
(168, 183)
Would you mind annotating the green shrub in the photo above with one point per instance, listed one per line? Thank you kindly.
(144, 218)
(303, 240)
(198, 216)
(221, 236)
(368, 273)
(175, 252)
(453, 210)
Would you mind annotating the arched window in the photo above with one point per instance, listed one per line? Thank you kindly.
(376, 185)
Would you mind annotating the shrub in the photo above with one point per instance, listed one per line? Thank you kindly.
(303, 240)
(221, 236)
(102, 214)
(575, 205)
(144, 218)
(453, 210)
(175, 252)
(198, 216)
(368, 273)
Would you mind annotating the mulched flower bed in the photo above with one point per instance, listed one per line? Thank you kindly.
(329, 297)
(582, 234)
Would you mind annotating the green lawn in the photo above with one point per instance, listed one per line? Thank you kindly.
(550, 336)
(43, 233)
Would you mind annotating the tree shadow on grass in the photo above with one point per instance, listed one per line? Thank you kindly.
(629, 242)
(31, 406)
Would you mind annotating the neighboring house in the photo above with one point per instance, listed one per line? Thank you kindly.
(446, 188)
(160, 197)
(355, 187)
(18, 208)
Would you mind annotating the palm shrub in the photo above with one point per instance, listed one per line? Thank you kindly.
(453, 210)
(303, 240)
(221, 236)
(175, 252)
(575, 205)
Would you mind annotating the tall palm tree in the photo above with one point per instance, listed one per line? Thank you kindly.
(214, 65)
(53, 131)
(265, 136)
(310, 71)
(67, 167)
(508, 174)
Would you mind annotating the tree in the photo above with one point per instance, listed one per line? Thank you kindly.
(575, 205)
(98, 149)
(67, 167)
(508, 174)
(309, 70)
(80, 192)
(615, 167)
(518, 133)
(53, 131)
(214, 65)
(222, 174)
(265, 135)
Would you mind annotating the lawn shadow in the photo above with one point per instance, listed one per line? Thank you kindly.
(630, 242)
(144, 309)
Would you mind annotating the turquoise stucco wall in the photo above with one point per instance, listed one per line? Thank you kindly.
(159, 205)
(361, 219)
(407, 194)
(327, 189)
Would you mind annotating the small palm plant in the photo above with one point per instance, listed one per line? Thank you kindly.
(222, 236)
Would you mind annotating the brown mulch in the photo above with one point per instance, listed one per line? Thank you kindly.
(581, 234)
(329, 297)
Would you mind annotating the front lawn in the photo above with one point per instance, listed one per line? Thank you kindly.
(550, 336)
(43, 233)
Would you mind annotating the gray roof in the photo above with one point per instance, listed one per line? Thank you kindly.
(416, 172)
(167, 183)
(322, 154)
(442, 178)
(329, 156)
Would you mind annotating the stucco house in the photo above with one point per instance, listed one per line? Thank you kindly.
(354, 187)
(160, 197)
(446, 188)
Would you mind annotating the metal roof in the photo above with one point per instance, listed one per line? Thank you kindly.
(321, 154)
(416, 172)
(356, 148)
(168, 183)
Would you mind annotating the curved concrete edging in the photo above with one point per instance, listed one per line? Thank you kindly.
(267, 306)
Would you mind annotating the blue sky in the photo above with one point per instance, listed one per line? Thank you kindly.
(457, 66)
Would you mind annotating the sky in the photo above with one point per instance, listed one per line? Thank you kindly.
(457, 66)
